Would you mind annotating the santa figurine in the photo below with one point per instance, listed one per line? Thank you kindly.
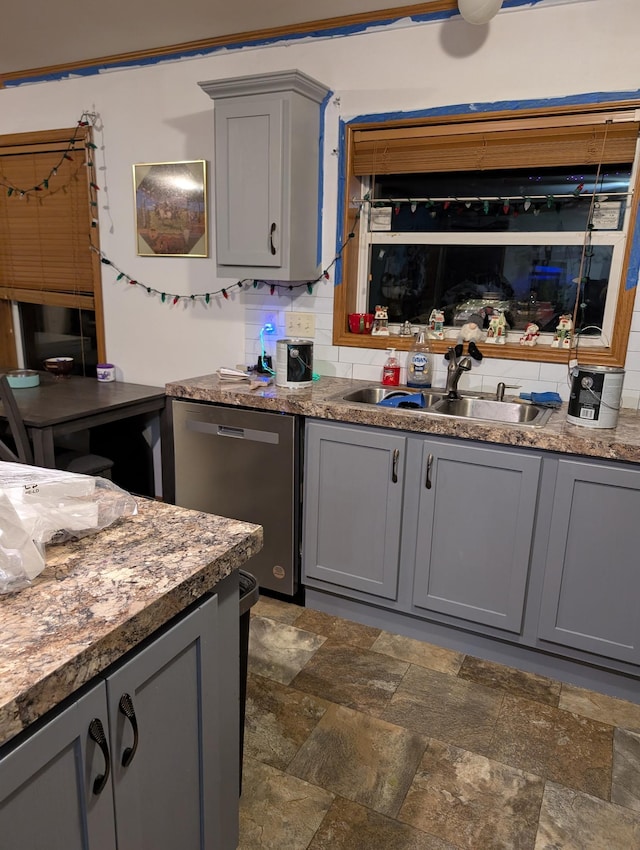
(531, 334)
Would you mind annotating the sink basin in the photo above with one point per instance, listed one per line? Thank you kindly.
(493, 411)
(467, 407)
(373, 395)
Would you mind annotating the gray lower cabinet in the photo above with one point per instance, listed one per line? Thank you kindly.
(592, 581)
(154, 783)
(353, 507)
(476, 516)
(46, 784)
(533, 551)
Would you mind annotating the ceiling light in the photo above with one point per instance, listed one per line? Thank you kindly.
(479, 11)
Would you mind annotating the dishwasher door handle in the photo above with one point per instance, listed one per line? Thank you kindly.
(215, 429)
(226, 431)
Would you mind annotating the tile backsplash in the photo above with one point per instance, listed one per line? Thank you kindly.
(366, 363)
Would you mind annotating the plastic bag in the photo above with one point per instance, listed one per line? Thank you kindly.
(39, 506)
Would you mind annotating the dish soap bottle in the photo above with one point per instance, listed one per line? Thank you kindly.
(391, 369)
(419, 365)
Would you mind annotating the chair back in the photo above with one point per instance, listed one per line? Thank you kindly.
(11, 411)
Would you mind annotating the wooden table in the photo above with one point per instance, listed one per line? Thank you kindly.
(62, 406)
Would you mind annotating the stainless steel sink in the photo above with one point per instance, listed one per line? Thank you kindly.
(374, 395)
(468, 406)
(493, 411)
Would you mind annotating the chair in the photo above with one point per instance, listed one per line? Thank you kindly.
(66, 459)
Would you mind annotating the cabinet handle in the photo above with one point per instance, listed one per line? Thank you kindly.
(126, 707)
(271, 232)
(394, 467)
(96, 733)
(427, 482)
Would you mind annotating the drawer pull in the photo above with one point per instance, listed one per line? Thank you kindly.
(126, 707)
(394, 468)
(427, 482)
(96, 733)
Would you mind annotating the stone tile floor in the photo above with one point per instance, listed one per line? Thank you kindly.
(357, 739)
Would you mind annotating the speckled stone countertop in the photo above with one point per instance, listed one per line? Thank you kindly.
(322, 401)
(101, 595)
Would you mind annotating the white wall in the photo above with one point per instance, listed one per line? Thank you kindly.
(158, 113)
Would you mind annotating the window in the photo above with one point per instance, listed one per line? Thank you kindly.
(528, 215)
(49, 276)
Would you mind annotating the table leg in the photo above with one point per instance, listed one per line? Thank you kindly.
(43, 450)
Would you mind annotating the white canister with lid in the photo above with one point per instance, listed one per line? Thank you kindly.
(105, 372)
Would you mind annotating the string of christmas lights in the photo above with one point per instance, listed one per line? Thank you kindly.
(493, 205)
(224, 291)
(86, 119)
(89, 119)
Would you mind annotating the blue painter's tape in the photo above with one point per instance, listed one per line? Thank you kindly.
(178, 55)
(337, 276)
(334, 32)
(323, 109)
(634, 258)
(498, 106)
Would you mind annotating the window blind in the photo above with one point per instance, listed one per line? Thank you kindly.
(497, 144)
(45, 235)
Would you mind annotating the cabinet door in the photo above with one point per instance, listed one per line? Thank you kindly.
(353, 507)
(592, 581)
(248, 175)
(47, 795)
(475, 527)
(166, 786)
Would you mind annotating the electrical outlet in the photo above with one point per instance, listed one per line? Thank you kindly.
(300, 324)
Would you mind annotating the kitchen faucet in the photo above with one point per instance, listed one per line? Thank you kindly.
(454, 371)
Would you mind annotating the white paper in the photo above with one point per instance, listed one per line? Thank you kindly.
(606, 216)
(380, 218)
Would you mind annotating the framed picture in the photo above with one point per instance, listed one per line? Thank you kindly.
(171, 208)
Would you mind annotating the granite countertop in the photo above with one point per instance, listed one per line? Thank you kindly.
(101, 595)
(320, 401)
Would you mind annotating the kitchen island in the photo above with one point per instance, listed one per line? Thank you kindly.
(154, 597)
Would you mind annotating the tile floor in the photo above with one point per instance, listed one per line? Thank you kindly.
(357, 739)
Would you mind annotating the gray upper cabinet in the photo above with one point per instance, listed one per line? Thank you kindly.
(476, 518)
(353, 507)
(592, 579)
(267, 174)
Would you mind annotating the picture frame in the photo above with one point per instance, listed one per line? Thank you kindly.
(171, 208)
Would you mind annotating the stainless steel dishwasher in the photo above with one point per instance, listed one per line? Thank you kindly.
(244, 464)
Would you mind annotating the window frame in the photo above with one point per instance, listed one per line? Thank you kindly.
(348, 291)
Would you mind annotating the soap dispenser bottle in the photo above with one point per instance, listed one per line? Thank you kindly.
(419, 365)
(391, 369)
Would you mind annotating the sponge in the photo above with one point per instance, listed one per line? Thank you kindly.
(543, 399)
(414, 400)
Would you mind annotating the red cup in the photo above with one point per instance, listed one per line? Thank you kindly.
(360, 323)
